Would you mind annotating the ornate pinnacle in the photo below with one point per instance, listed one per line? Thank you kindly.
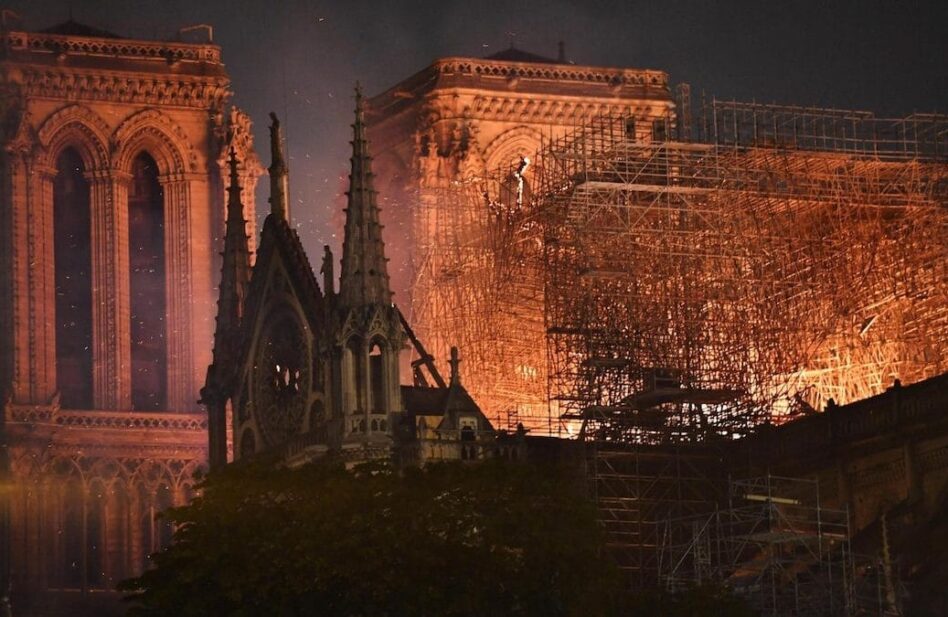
(279, 191)
(233, 191)
(235, 277)
(364, 278)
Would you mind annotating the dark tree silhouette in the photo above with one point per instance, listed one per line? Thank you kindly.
(492, 538)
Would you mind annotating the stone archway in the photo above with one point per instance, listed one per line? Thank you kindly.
(154, 133)
(80, 129)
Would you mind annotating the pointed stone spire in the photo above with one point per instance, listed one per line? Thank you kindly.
(364, 278)
(235, 271)
(235, 279)
(279, 187)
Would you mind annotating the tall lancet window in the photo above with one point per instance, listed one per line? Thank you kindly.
(146, 257)
(73, 266)
(353, 375)
(376, 379)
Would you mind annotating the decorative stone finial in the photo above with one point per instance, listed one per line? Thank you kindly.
(455, 367)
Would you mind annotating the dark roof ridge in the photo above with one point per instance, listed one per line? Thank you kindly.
(71, 27)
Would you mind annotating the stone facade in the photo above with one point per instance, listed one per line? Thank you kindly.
(111, 215)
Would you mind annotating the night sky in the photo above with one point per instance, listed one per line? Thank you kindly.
(301, 58)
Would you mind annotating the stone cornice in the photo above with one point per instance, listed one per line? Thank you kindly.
(524, 79)
(59, 44)
(143, 451)
(556, 110)
(124, 87)
(120, 420)
(560, 73)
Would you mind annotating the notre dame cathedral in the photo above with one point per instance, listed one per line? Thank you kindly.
(127, 212)
(148, 332)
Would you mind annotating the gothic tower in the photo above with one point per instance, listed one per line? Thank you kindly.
(113, 173)
(367, 330)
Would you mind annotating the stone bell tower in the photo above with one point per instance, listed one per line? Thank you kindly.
(112, 193)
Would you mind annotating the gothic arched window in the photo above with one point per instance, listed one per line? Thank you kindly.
(73, 266)
(376, 379)
(95, 536)
(353, 375)
(146, 257)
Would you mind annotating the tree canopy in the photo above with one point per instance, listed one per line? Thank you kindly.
(449, 539)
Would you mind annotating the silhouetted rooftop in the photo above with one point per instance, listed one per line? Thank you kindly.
(518, 55)
(71, 27)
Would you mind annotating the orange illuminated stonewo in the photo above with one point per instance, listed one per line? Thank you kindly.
(596, 263)
(111, 220)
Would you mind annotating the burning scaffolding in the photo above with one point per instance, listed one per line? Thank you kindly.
(479, 286)
(656, 290)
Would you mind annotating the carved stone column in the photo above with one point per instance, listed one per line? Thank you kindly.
(365, 396)
(135, 551)
(19, 355)
(111, 346)
(42, 283)
(393, 379)
(182, 389)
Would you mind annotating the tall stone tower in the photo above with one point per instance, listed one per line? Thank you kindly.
(112, 178)
(368, 332)
(455, 150)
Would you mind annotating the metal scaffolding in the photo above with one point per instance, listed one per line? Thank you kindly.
(659, 291)
(479, 286)
(774, 544)
(637, 488)
(698, 289)
(650, 289)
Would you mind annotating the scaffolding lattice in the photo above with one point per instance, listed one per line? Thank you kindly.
(637, 488)
(477, 287)
(648, 290)
(774, 544)
(702, 288)
(661, 297)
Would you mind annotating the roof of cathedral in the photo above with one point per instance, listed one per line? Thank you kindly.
(423, 401)
(364, 277)
(279, 240)
(71, 27)
(446, 403)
